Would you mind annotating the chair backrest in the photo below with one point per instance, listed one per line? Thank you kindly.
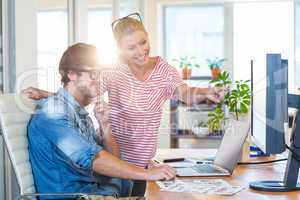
(15, 112)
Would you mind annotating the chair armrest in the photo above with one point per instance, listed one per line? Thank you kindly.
(75, 195)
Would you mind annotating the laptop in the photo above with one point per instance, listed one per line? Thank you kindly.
(226, 159)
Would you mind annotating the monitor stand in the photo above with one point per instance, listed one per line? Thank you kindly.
(289, 182)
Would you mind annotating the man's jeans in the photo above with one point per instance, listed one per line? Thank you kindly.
(126, 188)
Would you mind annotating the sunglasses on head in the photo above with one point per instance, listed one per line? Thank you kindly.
(132, 15)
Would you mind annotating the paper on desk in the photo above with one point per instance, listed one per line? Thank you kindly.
(202, 186)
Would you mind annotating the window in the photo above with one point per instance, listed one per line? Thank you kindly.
(100, 33)
(130, 6)
(100, 15)
(266, 31)
(52, 33)
(188, 32)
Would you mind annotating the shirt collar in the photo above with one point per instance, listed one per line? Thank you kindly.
(64, 94)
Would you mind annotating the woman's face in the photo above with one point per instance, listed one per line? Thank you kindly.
(134, 48)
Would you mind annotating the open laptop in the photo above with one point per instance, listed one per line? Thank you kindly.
(226, 159)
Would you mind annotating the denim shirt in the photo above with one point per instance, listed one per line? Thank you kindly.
(62, 146)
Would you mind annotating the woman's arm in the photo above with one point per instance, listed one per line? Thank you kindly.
(190, 95)
(194, 95)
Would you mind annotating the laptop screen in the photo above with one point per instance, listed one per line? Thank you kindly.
(231, 146)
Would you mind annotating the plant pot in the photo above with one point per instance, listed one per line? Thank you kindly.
(186, 73)
(200, 131)
(215, 72)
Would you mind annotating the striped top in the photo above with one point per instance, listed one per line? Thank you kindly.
(137, 108)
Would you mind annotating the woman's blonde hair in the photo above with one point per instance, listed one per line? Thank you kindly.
(125, 26)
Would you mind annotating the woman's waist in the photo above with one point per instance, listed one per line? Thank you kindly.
(134, 134)
(138, 157)
(133, 112)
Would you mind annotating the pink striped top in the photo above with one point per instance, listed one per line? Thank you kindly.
(137, 108)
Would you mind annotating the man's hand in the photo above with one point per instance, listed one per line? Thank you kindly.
(101, 112)
(161, 172)
(36, 94)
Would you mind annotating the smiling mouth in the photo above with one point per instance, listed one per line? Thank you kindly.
(142, 58)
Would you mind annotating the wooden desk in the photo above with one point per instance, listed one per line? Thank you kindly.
(242, 175)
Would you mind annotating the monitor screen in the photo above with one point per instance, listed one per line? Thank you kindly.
(269, 103)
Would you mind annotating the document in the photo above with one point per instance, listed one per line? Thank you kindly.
(202, 186)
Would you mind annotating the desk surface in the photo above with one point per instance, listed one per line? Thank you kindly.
(242, 175)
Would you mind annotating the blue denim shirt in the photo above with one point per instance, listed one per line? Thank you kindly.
(62, 146)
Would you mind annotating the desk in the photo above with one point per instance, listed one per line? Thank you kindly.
(242, 175)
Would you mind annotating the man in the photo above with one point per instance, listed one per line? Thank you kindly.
(66, 152)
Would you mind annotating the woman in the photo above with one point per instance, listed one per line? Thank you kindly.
(138, 87)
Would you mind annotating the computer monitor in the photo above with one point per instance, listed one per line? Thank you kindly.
(269, 103)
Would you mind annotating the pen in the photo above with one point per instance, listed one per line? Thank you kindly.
(173, 160)
(157, 162)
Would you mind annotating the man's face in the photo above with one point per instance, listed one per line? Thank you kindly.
(87, 84)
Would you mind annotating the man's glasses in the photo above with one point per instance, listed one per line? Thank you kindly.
(94, 74)
(132, 15)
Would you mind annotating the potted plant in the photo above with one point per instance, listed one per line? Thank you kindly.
(186, 64)
(215, 66)
(215, 120)
(201, 129)
(236, 101)
(233, 111)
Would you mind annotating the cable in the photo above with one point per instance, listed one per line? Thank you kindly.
(261, 162)
(294, 154)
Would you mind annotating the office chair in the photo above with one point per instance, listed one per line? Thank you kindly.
(15, 112)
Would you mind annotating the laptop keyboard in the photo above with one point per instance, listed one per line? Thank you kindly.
(206, 168)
